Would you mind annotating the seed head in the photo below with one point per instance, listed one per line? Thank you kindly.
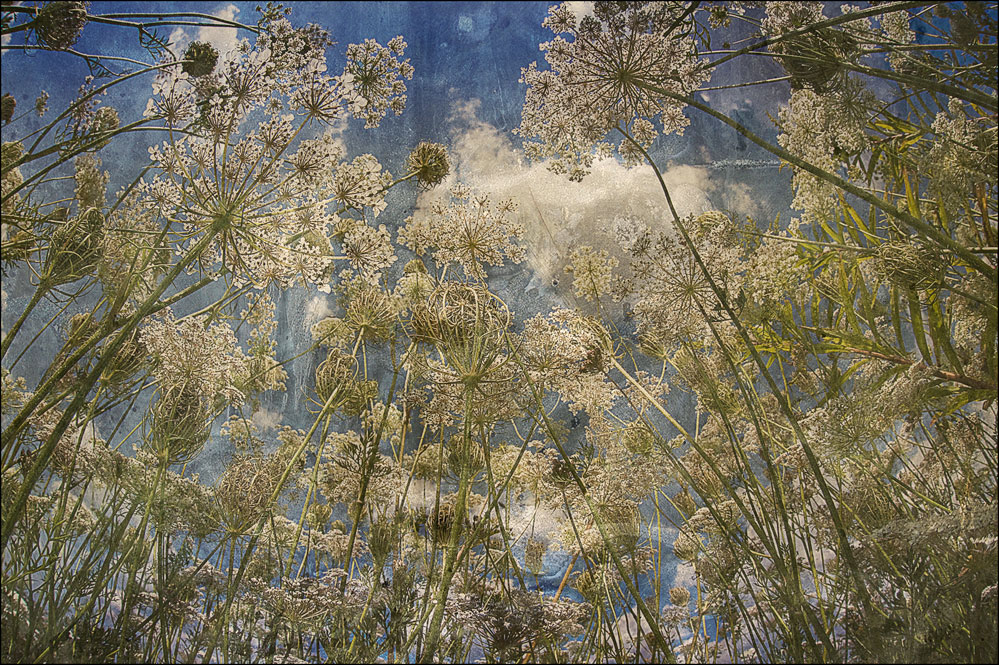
(909, 265)
(75, 248)
(200, 59)
(430, 162)
(59, 24)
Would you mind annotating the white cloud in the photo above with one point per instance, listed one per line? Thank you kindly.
(265, 419)
(580, 9)
(317, 309)
(536, 519)
(179, 38)
(684, 575)
(556, 213)
(224, 39)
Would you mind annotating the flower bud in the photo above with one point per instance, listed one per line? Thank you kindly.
(75, 248)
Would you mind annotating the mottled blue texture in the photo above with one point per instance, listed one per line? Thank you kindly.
(461, 52)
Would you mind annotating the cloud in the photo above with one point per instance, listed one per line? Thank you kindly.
(558, 214)
(224, 39)
(580, 9)
(266, 420)
(317, 309)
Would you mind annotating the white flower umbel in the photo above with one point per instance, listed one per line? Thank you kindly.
(597, 80)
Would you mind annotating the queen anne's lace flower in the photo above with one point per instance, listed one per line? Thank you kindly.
(189, 356)
(896, 29)
(375, 73)
(591, 270)
(784, 16)
(565, 352)
(601, 79)
(369, 250)
(471, 231)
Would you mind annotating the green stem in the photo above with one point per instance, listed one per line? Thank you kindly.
(9, 338)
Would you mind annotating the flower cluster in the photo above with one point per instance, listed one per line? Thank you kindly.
(610, 75)
(189, 355)
(668, 285)
(376, 74)
(591, 272)
(471, 231)
(824, 130)
(568, 353)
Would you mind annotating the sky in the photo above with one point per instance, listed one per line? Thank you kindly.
(465, 93)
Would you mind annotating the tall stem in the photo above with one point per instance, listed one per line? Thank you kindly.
(9, 337)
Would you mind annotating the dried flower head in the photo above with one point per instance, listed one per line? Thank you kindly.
(179, 425)
(7, 106)
(59, 24)
(430, 163)
(335, 375)
(909, 265)
(243, 493)
(200, 59)
(679, 596)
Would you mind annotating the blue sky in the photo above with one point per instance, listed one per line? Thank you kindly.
(460, 51)
(465, 93)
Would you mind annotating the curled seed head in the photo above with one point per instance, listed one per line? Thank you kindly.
(430, 162)
(200, 59)
(59, 24)
(335, 374)
(909, 265)
(180, 426)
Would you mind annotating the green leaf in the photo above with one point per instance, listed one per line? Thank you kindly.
(910, 195)
(847, 298)
(896, 319)
(916, 319)
(940, 331)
